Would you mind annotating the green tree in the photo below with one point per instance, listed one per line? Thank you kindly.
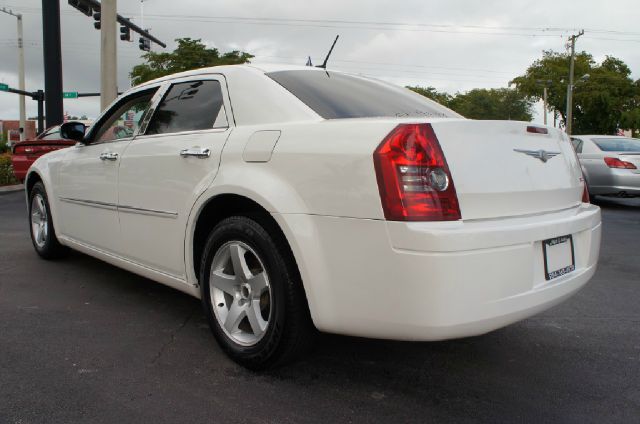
(189, 54)
(438, 96)
(495, 103)
(599, 100)
(501, 103)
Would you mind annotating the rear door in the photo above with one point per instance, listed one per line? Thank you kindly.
(167, 166)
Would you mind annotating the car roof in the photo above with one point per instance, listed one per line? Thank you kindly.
(235, 69)
(599, 136)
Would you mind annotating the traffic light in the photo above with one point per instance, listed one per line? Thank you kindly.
(125, 33)
(144, 44)
(96, 18)
(81, 6)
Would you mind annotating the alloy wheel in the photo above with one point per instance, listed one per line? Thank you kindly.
(240, 293)
(39, 220)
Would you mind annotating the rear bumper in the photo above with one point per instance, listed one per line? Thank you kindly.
(619, 181)
(433, 281)
(21, 165)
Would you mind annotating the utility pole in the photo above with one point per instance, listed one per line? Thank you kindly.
(108, 53)
(545, 84)
(21, 100)
(52, 61)
(546, 107)
(572, 41)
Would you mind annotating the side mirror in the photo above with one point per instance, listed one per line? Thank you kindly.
(73, 131)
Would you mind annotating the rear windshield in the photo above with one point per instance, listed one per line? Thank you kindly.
(338, 96)
(618, 144)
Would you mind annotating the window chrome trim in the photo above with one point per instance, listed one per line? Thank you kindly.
(207, 131)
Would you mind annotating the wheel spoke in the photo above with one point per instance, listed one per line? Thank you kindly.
(239, 262)
(258, 284)
(258, 325)
(41, 207)
(224, 282)
(235, 315)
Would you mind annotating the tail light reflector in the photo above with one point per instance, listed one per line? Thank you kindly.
(585, 192)
(413, 176)
(617, 163)
(34, 150)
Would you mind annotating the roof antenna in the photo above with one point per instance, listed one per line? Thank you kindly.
(324, 64)
(309, 62)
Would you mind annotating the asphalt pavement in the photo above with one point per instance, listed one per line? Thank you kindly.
(83, 341)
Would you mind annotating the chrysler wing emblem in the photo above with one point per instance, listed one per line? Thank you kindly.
(543, 155)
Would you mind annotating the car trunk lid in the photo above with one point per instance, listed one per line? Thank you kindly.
(508, 168)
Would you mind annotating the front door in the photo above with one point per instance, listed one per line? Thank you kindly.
(167, 166)
(88, 175)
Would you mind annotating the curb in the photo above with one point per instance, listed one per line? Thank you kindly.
(11, 188)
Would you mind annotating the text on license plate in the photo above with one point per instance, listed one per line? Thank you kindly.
(559, 258)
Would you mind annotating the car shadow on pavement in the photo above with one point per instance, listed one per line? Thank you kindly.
(509, 372)
(620, 203)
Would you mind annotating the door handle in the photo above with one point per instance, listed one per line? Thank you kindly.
(108, 156)
(195, 152)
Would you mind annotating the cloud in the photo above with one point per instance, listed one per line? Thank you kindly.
(457, 54)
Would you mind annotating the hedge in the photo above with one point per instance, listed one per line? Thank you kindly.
(6, 171)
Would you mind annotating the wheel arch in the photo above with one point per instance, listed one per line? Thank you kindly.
(221, 205)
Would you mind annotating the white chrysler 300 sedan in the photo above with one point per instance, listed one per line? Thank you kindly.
(292, 199)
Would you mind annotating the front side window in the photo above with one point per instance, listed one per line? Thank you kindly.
(618, 144)
(52, 134)
(333, 95)
(189, 106)
(125, 119)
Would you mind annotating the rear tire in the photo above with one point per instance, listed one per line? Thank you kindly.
(252, 295)
(43, 233)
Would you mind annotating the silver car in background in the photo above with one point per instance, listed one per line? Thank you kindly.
(611, 164)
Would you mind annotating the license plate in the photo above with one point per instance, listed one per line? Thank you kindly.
(559, 258)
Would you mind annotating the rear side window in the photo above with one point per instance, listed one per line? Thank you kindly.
(189, 106)
(618, 144)
(337, 96)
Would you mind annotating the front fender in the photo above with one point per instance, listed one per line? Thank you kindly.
(44, 169)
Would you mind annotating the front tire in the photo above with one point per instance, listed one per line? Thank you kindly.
(43, 233)
(252, 295)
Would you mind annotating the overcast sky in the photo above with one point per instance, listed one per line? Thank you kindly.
(453, 45)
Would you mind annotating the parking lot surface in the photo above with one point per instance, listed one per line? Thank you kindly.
(83, 341)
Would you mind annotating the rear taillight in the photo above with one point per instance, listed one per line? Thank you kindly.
(413, 177)
(617, 163)
(18, 150)
(585, 192)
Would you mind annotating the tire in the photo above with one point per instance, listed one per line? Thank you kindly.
(41, 229)
(259, 315)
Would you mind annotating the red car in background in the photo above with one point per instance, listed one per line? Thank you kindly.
(26, 152)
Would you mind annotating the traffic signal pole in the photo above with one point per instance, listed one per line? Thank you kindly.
(52, 61)
(23, 109)
(21, 102)
(108, 53)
